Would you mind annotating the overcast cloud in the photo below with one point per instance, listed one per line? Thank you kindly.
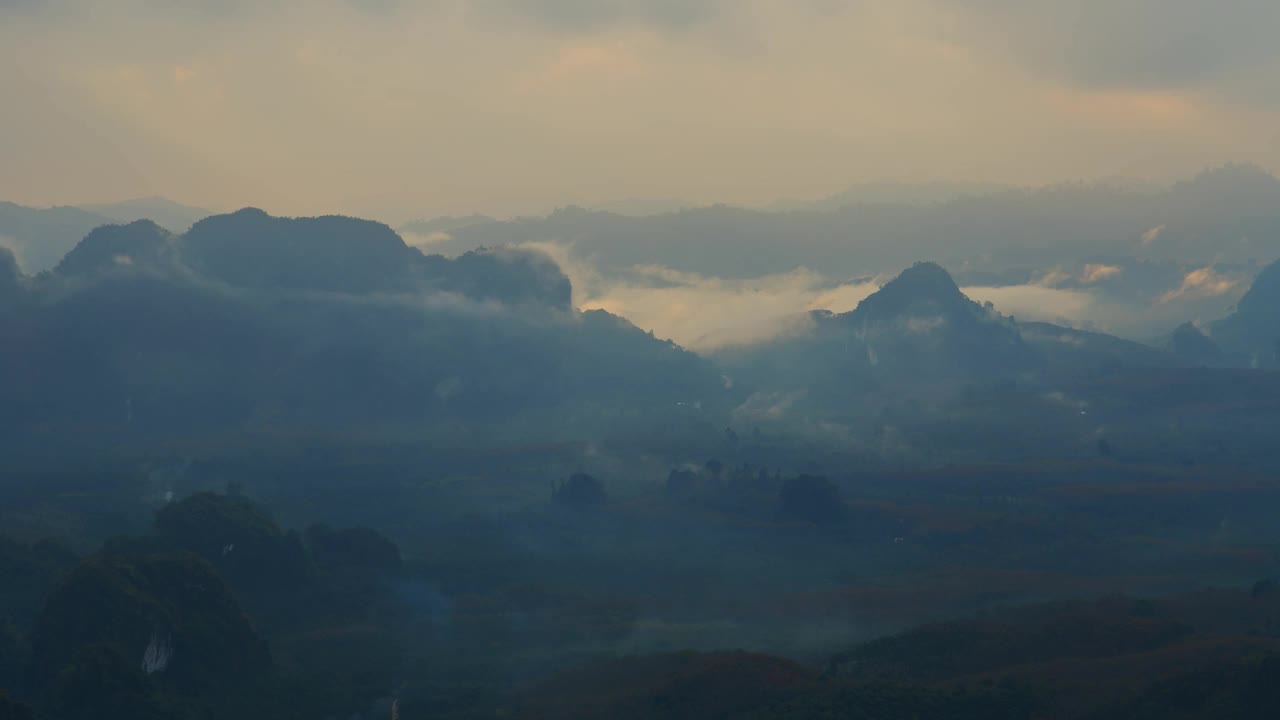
(1168, 45)
(504, 106)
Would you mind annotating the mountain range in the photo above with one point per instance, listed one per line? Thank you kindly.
(1227, 214)
(333, 323)
(247, 320)
(40, 237)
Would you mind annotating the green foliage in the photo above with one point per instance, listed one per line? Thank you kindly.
(811, 499)
(507, 275)
(470, 553)
(356, 568)
(1242, 690)
(580, 492)
(29, 573)
(11, 709)
(119, 248)
(339, 667)
(684, 686)
(944, 650)
(234, 536)
(352, 550)
(12, 656)
(98, 681)
(885, 701)
(119, 608)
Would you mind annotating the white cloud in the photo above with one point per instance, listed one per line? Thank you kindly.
(1097, 272)
(1089, 274)
(1201, 283)
(708, 314)
(424, 241)
(1038, 302)
(1204, 294)
(705, 313)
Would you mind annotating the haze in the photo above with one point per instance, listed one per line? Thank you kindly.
(639, 359)
(397, 109)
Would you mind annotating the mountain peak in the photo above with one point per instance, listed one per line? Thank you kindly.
(924, 283)
(141, 242)
(920, 323)
(926, 273)
(249, 248)
(1193, 347)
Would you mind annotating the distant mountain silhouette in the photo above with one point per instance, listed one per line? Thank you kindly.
(39, 237)
(444, 223)
(895, 193)
(1233, 209)
(1229, 214)
(170, 215)
(1233, 184)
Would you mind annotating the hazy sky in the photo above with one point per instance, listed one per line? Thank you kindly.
(516, 105)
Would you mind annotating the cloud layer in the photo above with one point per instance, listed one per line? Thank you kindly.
(709, 314)
(706, 313)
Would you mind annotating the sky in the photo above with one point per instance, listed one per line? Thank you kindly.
(397, 108)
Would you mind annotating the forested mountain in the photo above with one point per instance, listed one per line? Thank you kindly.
(250, 320)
